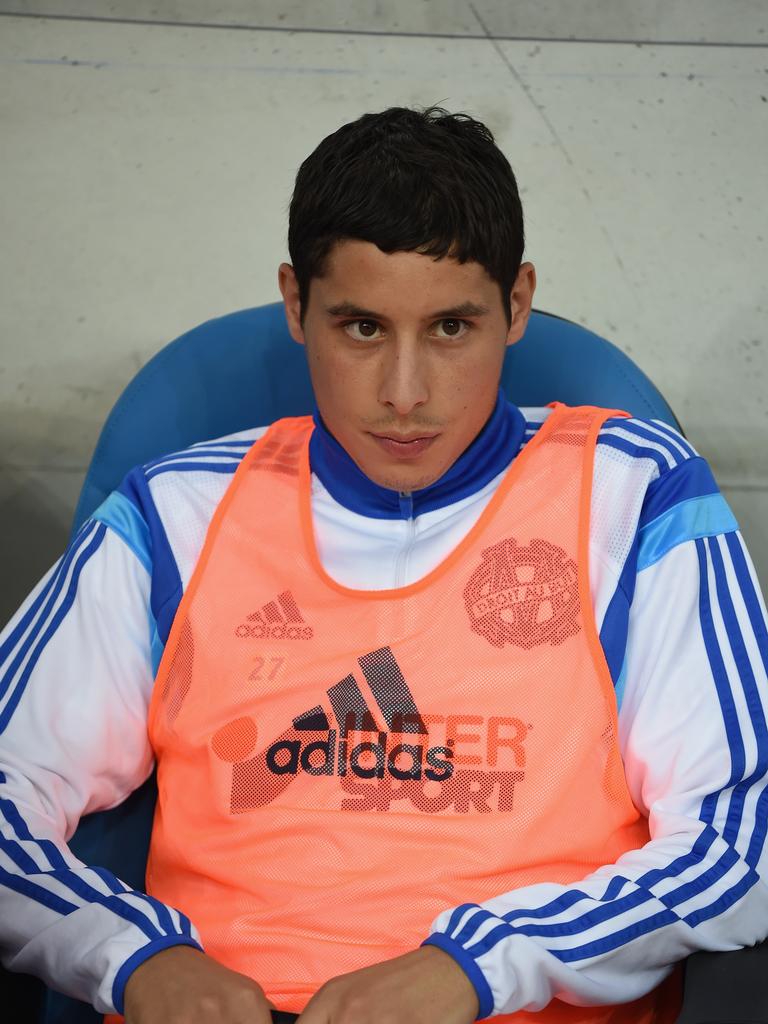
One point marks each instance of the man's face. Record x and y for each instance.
(405, 354)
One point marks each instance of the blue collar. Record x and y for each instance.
(490, 453)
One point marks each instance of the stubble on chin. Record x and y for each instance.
(405, 485)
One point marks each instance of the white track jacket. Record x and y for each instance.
(681, 622)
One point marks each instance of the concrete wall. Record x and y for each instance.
(149, 150)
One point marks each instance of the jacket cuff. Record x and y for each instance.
(138, 958)
(470, 968)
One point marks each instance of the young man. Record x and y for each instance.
(458, 709)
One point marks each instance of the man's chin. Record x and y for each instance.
(416, 480)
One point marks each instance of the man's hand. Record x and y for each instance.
(181, 985)
(423, 987)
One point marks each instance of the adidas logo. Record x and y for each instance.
(291, 753)
(276, 620)
(380, 750)
(315, 746)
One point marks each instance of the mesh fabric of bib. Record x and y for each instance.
(336, 767)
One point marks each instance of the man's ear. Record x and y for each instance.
(289, 289)
(521, 299)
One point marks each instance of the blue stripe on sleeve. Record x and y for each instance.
(457, 915)
(163, 913)
(749, 593)
(192, 454)
(692, 479)
(690, 520)
(614, 888)
(556, 906)
(760, 630)
(36, 893)
(560, 929)
(12, 815)
(610, 906)
(63, 874)
(751, 693)
(156, 645)
(94, 537)
(670, 516)
(724, 902)
(54, 581)
(621, 686)
(244, 445)
(676, 436)
(619, 938)
(696, 886)
(604, 944)
(111, 881)
(613, 632)
(721, 601)
(124, 519)
(166, 587)
(16, 852)
(615, 624)
(199, 467)
(725, 697)
(646, 433)
(471, 925)
(701, 847)
(757, 842)
(606, 911)
(637, 451)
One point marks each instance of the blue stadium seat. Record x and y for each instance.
(243, 370)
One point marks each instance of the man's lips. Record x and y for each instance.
(404, 446)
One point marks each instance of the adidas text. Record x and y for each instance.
(277, 631)
(367, 760)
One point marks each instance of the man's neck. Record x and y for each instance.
(488, 455)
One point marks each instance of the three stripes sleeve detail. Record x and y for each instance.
(79, 927)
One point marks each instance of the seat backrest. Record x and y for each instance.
(244, 370)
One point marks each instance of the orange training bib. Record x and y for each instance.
(336, 767)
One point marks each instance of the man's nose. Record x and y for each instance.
(405, 377)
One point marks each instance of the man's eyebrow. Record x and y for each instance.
(454, 312)
(350, 309)
(464, 309)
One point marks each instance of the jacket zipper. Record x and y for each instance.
(401, 564)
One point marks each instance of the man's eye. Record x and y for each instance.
(451, 328)
(362, 330)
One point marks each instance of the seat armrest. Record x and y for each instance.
(726, 988)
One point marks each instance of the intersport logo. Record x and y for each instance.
(380, 757)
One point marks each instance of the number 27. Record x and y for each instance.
(275, 665)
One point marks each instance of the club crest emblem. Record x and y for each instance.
(524, 595)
